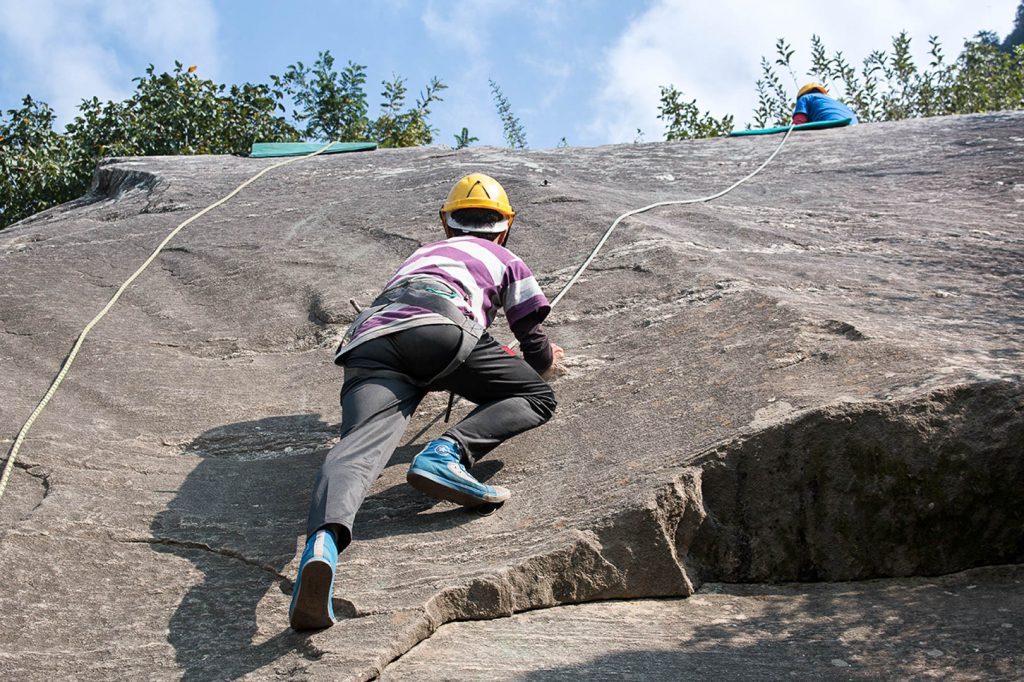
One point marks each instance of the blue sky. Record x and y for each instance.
(586, 70)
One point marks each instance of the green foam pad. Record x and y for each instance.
(262, 150)
(803, 126)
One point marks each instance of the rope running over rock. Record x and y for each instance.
(9, 466)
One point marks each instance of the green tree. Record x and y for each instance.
(772, 105)
(332, 105)
(987, 79)
(180, 113)
(36, 163)
(253, 113)
(169, 113)
(1016, 36)
(397, 128)
(515, 134)
(463, 139)
(685, 120)
(890, 86)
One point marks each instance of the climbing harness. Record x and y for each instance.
(11, 458)
(423, 292)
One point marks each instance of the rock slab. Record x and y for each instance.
(815, 378)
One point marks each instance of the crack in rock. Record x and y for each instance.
(43, 476)
(28, 498)
(201, 546)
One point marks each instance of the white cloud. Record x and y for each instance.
(67, 51)
(467, 97)
(184, 30)
(463, 27)
(552, 74)
(493, 39)
(712, 51)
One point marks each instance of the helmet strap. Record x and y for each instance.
(444, 224)
(498, 238)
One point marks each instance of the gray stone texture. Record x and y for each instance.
(818, 377)
(961, 627)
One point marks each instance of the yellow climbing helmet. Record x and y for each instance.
(477, 190)
(809, 87)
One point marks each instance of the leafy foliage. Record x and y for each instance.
(36, 163)
(464, 139)
(1016, 36)
(685, 121)
(515, 134)
(169, 113)
(395, 128)
(181, 113)
(889, 85)
(332, 105)
(772, 101)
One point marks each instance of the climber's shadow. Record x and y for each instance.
(236, 518)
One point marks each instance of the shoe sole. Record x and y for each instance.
(312, 605)
(487, 509)
(429, 485)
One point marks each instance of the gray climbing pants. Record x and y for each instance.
(383, 387)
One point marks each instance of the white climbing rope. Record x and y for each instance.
(675, 202)
(11, 458)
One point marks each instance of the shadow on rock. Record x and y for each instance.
(237, 518)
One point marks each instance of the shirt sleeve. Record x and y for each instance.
(534, 342)
(521, 296)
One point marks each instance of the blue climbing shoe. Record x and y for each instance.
(437, 471)
(311, 607)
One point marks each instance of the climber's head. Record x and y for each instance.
(811, 87)
(477, 205)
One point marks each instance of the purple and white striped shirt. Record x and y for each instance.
(484, 275)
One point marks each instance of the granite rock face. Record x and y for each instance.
(960, 627)
(817, 377)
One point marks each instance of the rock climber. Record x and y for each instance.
(814, 104)
(427, 331)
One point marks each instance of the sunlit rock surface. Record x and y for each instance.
(816, 378)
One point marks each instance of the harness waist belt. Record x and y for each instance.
(429, 294)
